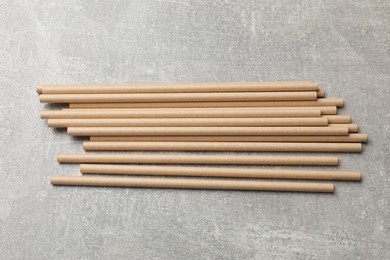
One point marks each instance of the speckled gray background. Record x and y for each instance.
(342, 44)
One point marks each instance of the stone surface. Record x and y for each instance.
(342, 44)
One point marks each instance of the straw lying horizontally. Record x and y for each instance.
(192, 184)
(351, 138)
(326, 110)
(170, 122)
(320, 102)
(193, 113)
(223, 146)
(174, 158)
(178, 97)
(177, 87)
(219, 131)
(218, 172)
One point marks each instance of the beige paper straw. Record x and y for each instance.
(175, 131)
(174, 158)
(166, 122)
(329, 110)
(191, 184)
(351, 138)
(206, 113)
(177, 97)
(338, 119)
(321, 102)
(177, 87)
(222, 146)
(226, 172)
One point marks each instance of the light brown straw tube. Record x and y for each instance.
(320, 93)
(175, 131)
(177, 87)
(338, 119)
(191, 184)
(321, 102)
(174, 158)
(177, 97)
(226, 172)
(222, 146)
(353, 128)
(330, 110)
(351, 138)
(166, 122)
(209, 113)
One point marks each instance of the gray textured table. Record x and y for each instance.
(342, 44)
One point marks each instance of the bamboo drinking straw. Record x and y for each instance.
(338, 119)
(177, 87)
(329, 110)
(209, 113)
(192, 184)
(353, 128)
(173, 158)
(175, 131)
(166, 122)
(177, 97)
(321, 102)
(351, 138)
(218, 172)
(222, 146)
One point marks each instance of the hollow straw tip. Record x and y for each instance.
(39, 89)
(44, 114)
(82, 168)
(344, 131)
(327, 120)
(331, 188)
(320, 93)
(54, 180)
(336, 161)
(50, 124)
(356, 176)
(60, 158)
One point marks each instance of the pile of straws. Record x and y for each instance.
(226, 116)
